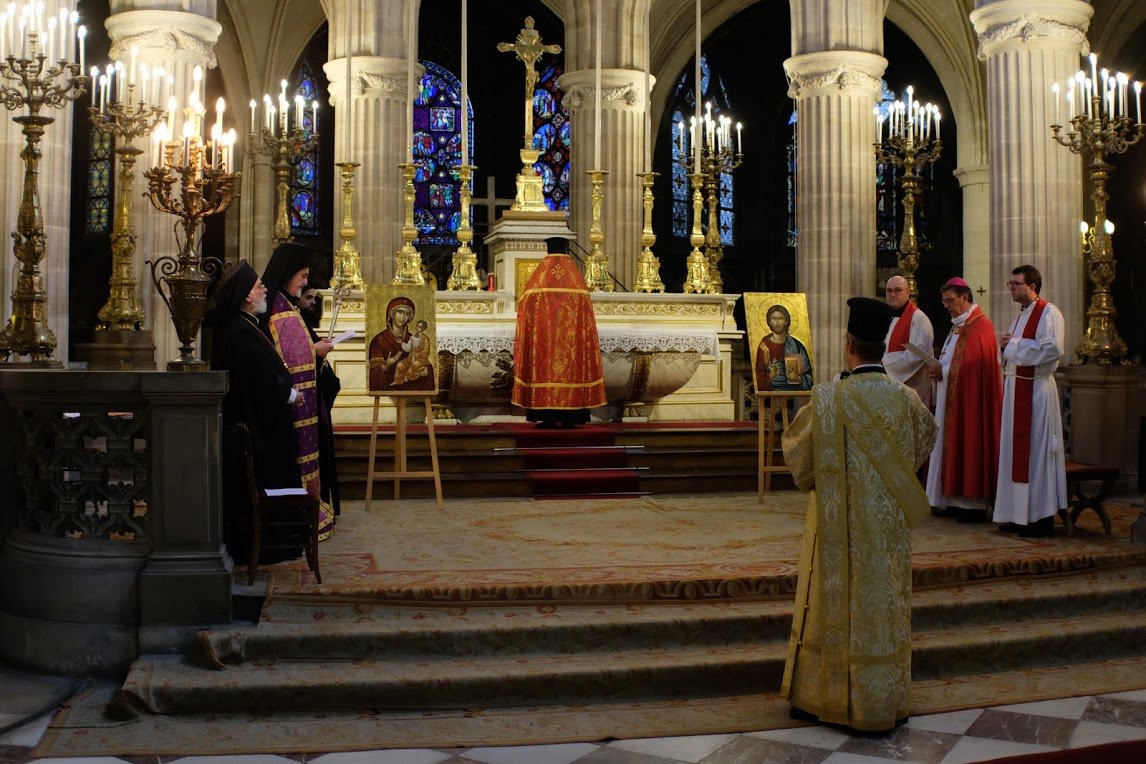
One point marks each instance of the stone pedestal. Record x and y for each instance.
(1106, 406)
(516, 240)
(119, 350)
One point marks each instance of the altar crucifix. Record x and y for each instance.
(528, 48)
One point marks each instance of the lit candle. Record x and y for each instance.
(349, 132)
(94, 76)
(299, 107)
(696, 95)
(282, 92)
(597, 92)
(1070, 101)
(62, 31)
(648, 114)
(465, 104)
(102, 91)
(50, 40)
(131, 73)
(3, 33)
(938, 118)
(411, 54)
(878, 125)
(314, 117)
(1123, 80)
(1055, 88)
(1093, 67)
(172, 106)
(254, 107)
(1138, 102)
(739, 145)
(145, 81)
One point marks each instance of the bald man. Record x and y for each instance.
(910, 324)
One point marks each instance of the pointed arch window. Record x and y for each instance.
(305, 183)
(712, 90)
(437, 152)
(551, 136)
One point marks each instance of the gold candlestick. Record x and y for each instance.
(28, 83)
(648, 266)
(285, 150)
(205, 188)
(597, 276)
(464, 273)
(409, 265)
(912, 153)
(699, 278)
(125, 121)
(347, 260)
(1095, 138)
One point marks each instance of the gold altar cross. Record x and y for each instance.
(529, 50)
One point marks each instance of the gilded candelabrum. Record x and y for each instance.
(912, 153)
(409, 265)
(463, 276)
(286, 150)
(648, 266)
(1095, 134)
(347, 260)
(715, 164)
(699, 277)
(191, 190)
(125, 121)
(28, 83)
(597, 276)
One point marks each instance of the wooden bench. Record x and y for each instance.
(1076, 475)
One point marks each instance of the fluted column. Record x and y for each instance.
(975, 182)
(835, 200)
(1036, 185)
(622, 156)
(55, 207)
(178, 41)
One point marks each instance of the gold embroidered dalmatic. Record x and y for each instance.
(857, 447)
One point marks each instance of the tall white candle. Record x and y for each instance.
(348, 151)
(597, 91)
(254, 107)
(696, 94)
(1138, 102)
(739, 145)
(648, 113)
(465, 104)
(411, 54)
(1093, 68)
(1055, 89)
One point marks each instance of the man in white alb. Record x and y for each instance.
(910, 324)
(1032, 467)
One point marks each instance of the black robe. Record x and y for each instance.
(258, 395)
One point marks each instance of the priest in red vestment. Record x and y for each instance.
(968, 404)
(285, 275)
(558, 373)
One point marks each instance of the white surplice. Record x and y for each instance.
(1045, 494)
(905, 366)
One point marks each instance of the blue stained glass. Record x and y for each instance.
(302, 210)
(679, 218)
(726, 190)
(304, 187)
(304, 175)
(99, 182)
(726, 227)
(306, 88)
(442, 118)
(551, 136)
(438, 145)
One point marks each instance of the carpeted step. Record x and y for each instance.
(620, 480)
(590, 457)
(171, 686)
(393, 632)
(583, 436)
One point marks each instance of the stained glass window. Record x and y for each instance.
(886, 190)
(551, 128)
(437, 152)
(712, 91)
(304, 187)
(99, 182)
(792, 236)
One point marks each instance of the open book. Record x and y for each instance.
(286, 491)
(927, 358)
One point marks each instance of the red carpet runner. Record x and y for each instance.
(578, 463)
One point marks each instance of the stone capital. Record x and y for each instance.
(834, 71)
(618, 87)
(1008, 23)
(973, 175)
(376, 74)
(176, 33)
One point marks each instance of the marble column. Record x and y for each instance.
(378, 51)
(178, 41)
(835, 92)
(624, 56)
(1035, 184)
(622, 156)
(975, 182)
(55, 173)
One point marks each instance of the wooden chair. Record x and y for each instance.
(276, 512)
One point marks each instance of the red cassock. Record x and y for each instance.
(556, 351)
(973, 412)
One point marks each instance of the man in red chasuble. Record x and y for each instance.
(968, 402)
(286, 275)
(558, 374)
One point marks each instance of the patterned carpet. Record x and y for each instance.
(641, 549)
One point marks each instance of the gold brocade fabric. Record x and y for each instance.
(857, 446)
(556, 351)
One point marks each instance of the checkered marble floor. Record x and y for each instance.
(953, 738)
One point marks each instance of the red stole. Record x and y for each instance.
(1024, 402)
(902, 331)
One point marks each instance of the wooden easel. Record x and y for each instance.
(401, 469)
(767, 404)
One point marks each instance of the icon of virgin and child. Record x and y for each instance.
(400, 353)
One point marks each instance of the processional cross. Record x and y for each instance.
(529, 49)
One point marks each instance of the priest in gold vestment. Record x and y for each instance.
(857, 447)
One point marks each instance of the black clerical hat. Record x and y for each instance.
(557, 245)
(288, 259)
(869, 319)
(234, 288)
